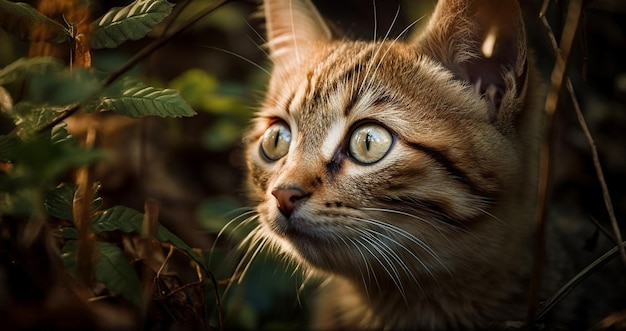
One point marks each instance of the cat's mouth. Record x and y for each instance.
(303, 226)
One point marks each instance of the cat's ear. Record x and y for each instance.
(482, 42)
(293, 27)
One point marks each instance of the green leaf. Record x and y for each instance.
(24, 67)
(59, 202)
(128, 23)
(112, 268)
(8, 144)
(29, 117)
(59, 135)
(28, 24)
(129, 220)
(131, 97)
(38, 162)
(65, 87)
(118, 218)
(115, 271)
(67, 233)
(203, 91)
(195, 85)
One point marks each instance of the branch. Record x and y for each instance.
(145, 52)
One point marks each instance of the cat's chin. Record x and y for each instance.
(298, 230)
(306, 239)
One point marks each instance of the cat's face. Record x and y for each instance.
(376, 162)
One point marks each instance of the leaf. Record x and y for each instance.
(24, 67)
(129, 220)
(195, 85)
(59, 134)
(112, 268)
(28, 24)
(203, 91)
(8, 144)
(67, 233)
(65, 87)
(28, 117)
(128, 23)
(115, 271)
(6, 101)
(38, 162)
(131, 97)
(59, 202)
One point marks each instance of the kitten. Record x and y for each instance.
(402, 172)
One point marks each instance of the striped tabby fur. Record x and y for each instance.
(402, 172)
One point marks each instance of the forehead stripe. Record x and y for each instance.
(446, 162)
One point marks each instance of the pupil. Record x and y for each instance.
(368, 140)
(277, 138)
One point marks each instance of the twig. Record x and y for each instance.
(603, 230)
(145, 52)
(218, 301)
(181, 288)
(596, 163)
(557, 78)
(590, 140)
(579, 277)
(155, 45)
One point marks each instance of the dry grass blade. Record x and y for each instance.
(559, 54)
(567, 288)
(557, 79)
(556, 82)
(596, 163)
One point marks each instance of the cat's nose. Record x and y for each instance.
(288, 198)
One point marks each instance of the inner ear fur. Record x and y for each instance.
(483, 42)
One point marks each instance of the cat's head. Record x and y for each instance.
(390, 157)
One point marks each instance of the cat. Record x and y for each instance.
(402, 173)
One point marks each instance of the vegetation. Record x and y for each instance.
(56, 233)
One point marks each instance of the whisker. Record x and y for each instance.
(256, 242)
(365, 78)
(491, 215)
(259, 247)
(365, 283)
(393, 253)
(408, 236)
(390, 46)
(221, 232)
(240, 57)
(403, 264)
(393, 273)
(375, 19)
(256, 33)
(293, 32)
(248, 220)
(421, 219)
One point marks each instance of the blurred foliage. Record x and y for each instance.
(48, 191)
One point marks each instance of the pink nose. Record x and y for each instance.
(288, 198)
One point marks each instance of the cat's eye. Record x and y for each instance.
(369, 143)
(275, 141)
